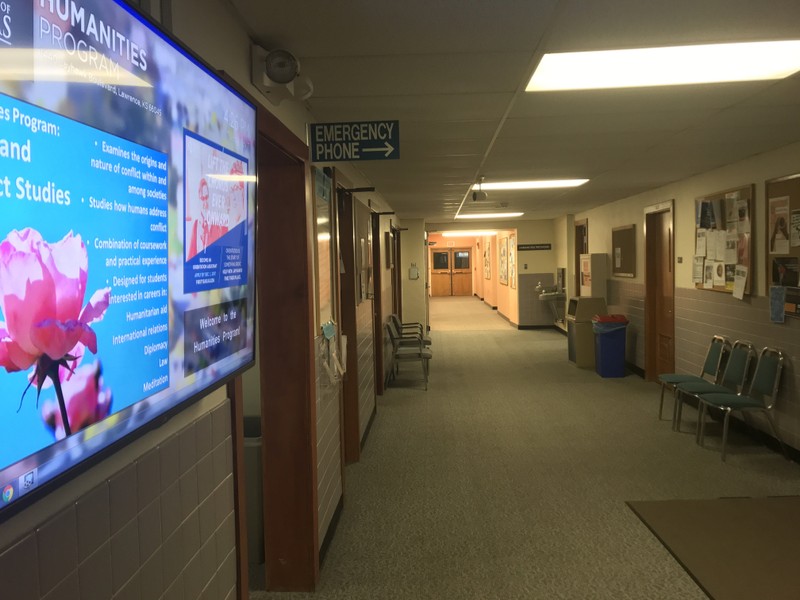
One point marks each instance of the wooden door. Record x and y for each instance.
(660, 295)
(461, 272)
(441, 284)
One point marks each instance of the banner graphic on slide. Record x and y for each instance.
(215, 210)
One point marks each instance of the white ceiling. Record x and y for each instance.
(453, 73)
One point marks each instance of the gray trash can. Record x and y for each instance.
(254, 487)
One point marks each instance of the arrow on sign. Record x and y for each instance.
(387, 149)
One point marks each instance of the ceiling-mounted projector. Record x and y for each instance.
(276, 73)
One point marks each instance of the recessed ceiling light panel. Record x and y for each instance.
(509, 215)
(530, 185)
(675, 65)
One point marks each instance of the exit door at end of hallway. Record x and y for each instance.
(451, 272)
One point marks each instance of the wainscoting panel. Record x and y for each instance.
(627, 298)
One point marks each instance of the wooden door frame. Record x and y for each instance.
(377, 301)
(397, 279)
(580, 248)
(348, 301)
(286, 308)
(651, 280)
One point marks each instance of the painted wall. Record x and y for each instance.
(412, 250)
(537, 232)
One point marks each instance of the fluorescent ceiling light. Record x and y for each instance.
(237, 178)
(44, 64)
(676, 65)
(529, 185)
(467, 233)
(508, 215)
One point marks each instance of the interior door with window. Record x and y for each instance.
(461, 274)
(441, 284)
(451, 272)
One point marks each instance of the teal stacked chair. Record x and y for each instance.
(761, 397)
(712, 367)
(734, 379)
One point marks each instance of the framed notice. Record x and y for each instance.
(512, 260)
(623, 244)
(723, 240)
(503, 276)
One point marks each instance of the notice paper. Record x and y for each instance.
(708, 275)
(739, 281)
(719, 273)
(697, 269)
(721, 241)
(777, 301)
(731, 241)
(795, 228)
(700, 246)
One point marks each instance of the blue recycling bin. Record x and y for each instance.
(609, 344)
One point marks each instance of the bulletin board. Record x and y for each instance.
(782, 244)
(623, 243)
(724, 241)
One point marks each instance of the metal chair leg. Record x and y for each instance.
(661, 403)
(725, 432)
(701, 421)
(775, 433)
(677, 411)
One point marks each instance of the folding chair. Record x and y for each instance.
(408, 350)
(404, 329)
(761, 397)
(717, 350)
(733, 379)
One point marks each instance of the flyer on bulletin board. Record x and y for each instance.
(779, 225)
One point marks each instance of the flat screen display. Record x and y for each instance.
(127, 234)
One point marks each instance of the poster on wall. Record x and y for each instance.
(487, 260)
(512, 260)
(779, 225)
(503, 276)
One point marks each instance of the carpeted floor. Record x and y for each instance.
(508, 479)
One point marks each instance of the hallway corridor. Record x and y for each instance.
(508, 479)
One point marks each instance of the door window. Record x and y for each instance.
(440, 260)
(461, 260)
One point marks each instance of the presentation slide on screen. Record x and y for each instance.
(87, 211)
(126, 233)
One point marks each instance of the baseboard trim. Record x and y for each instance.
(636, 370)
(369, 426)
(326, 542)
